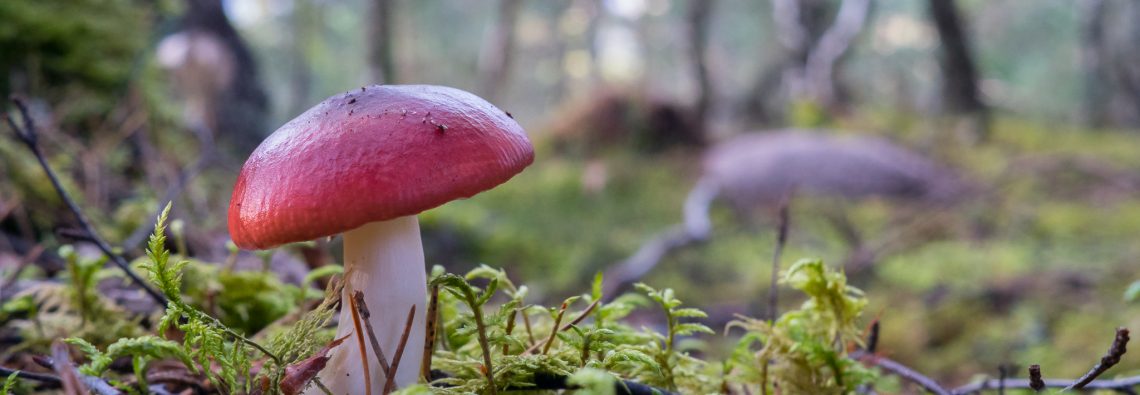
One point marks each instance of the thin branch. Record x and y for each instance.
(429, 340)
(581, 316)
(781, 241)
(1003, 373)
(554, 330)
(1035, 381)
(481, 327)
(819, 72)
(1120, 385)
(29, 137)
(873, 337)
(526, 324)
(73, 382)
(362, 309)
(1112, 357)
(510, 328)
(45, 378)
(360, 343)
(900, 370)
(321, 385)
(391, 384)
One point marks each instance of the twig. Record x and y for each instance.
(481, 328)
(391, 384)
(900, 370)
(873, 337)
(360, 343)
(554, 330)
(526, 324)
(429, 339)
(28, 136)
(321, 386)
(1002, 374)
(1120, 385)
(510, 328)
(68, 375)
(1112, 357)
(362, 309)
(1035, 381)
(581, 316)
(40, 377)
(781, 240)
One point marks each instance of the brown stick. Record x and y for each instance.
(900, 370)
(1112, 357)
(526, 324)
(1035, 381)
(510, 328)
(554, 329)
(429, 340)
(362, 309)
(557, 321)
(61, 361)
(781, 240)
(27, 134)
(360, 343)
(391, 384)
(582, 316)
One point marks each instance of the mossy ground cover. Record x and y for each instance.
(1034, 272)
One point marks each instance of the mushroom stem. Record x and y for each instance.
(385, 260)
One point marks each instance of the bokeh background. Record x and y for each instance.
(1027, 112)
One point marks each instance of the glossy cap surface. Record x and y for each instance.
(372, 154)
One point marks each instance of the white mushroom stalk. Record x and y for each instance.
(384, 260)
(364, 163)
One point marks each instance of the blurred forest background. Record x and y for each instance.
(974, 165)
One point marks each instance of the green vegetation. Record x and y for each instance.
(591, 346)
(1008, 281)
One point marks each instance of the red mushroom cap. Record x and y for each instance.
(369, 155)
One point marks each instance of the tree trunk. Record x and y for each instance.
(496, 58)
(960, 94)
(700, 12)
(241, 109)
(819, 70)
(1093, 59)
(1121, 55)
(381, 66)
(813, 50)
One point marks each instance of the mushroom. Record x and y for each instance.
(364, 163)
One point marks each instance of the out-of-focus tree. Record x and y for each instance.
(700, 12)
(381, 64)
(212, 66)
(1109, 56)
(813, 50)
(960, 93)
(1093, 57)
(498, 51)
